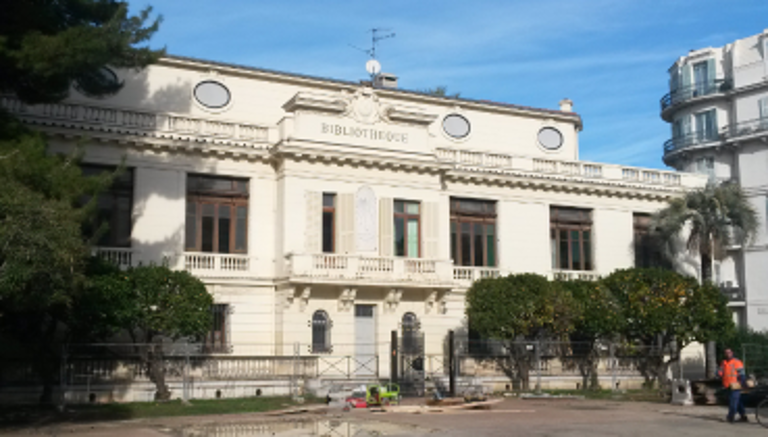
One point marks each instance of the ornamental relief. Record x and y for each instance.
(364, 107)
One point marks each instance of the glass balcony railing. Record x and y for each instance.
(690, 140)
(683, 94)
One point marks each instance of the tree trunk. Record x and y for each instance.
(710, 354)
(156, 370)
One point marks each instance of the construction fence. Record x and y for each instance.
(121, 372)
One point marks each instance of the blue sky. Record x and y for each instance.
(609, 56)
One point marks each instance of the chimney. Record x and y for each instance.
(385, 80)
(566, 105)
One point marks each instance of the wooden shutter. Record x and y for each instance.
(386, 227)
(313, 242)
(345, 223)
(430, 225)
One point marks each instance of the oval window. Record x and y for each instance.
(212, 94)
(550, 138)
(456, 126)
(98, 83)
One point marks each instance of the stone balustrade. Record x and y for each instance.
(137, 122)
(495, 162)
(328, 267)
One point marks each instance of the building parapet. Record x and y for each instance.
(139, 123)
(586, 171)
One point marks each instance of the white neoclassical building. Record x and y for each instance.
(325, 214)
(718, 109)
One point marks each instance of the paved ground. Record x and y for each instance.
(561, 418)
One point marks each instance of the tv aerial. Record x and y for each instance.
(373, 66)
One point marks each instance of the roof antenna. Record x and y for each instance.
(373, 67)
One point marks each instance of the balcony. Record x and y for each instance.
(370, 270)
(121, 257)
(218, 265)
(684, 94)
(733, 293)
(746, 129)
(693, 139)
(466, 275)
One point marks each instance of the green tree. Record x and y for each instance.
(714, 218)
(47, 45)
(43, 256)
(440, 91)
(520, 310)
(663, 312)
(598, 318)
(163, 305)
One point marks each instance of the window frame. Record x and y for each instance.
(405, 215)
(331, 210)
(410, 327)
(484, 218)
(119, 189)
(220, 311)
(582, 224)
(232, 199)
(325, 346)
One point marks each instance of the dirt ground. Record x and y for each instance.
(512, 417)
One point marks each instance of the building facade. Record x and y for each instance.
(718, 110)
(323, 214)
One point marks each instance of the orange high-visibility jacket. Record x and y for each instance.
(730, 371)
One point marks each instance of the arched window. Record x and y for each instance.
(321, 332)
(411, 335)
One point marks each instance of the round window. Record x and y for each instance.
(550, 138)
(456, 126)
(212, 94)
(98, 83)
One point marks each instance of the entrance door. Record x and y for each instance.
(364, 362)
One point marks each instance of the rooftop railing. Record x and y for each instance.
(493, 162)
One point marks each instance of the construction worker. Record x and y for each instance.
(732, 373)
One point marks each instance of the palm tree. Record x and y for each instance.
(716, 217)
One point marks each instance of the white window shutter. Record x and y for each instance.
(711, 71)
(763, 105)
(386, 227)
(429, 229)
(345, 223)
(313, 242)
(686, 74)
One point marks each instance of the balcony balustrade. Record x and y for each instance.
(121, 257)
(747, 128)
(692, 139)
(329, 267)
(684, 94)
(218, 265)
(733, 293)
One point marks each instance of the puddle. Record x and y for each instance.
(297, 428)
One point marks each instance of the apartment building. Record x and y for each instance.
(717, 107)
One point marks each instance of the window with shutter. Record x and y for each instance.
(217, 214)
(473, 232)
(571, 238)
